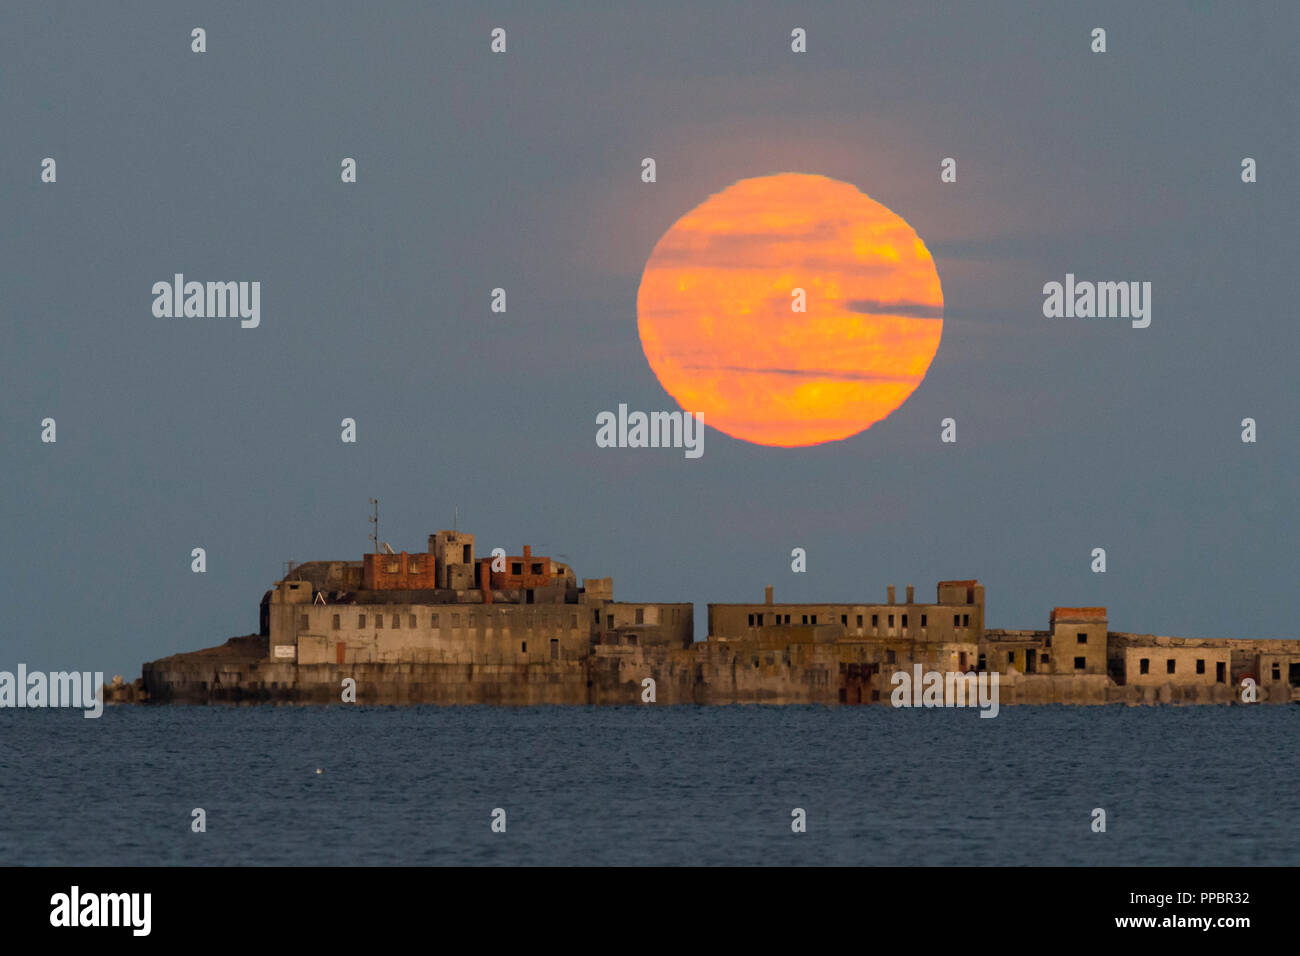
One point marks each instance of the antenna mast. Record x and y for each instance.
(374, 520)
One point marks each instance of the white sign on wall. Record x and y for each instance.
(285, 650)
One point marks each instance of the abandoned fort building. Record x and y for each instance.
(451, 627)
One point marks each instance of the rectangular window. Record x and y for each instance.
(965, 620)
(523, 647)
(760, 618)
(1277, 671)
(338, 621)
(923, 617)
(1011, 657)
(982, 664)
(859, 620)
(956, 620)
(1080, 663)
(455, 620)
(889, 657)
(609, 622)
(1219, 674)
(516, 568)
(537, 569)
(875, 620)
(805, 618)
(844, 619)
(904, 620)
(1169, 666)
(1144, 666)
(361, 620)
(1082, 639)
(410, 620)
(1044, 659)
(397, 621)
(379, 620)
(891, 620)
(751, 620)
(814, 618)
(640, 615)
(1200, 665)
(434, 621)
(787, 619)
(555, 649)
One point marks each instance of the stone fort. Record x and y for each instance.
(450, 627)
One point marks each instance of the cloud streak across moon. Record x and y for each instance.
(715, 319)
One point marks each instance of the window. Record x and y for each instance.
(455, 620)
(844, 619)
(875, 620)
(555, 649)
(956, 620)
(609, 621)
(805, 618)
(1011, 657)
(410, 620)
(787, 619)
(413, 567)
(904, 620)
(1169, 666)
(1200, 665)
(523, 647)
(814, 618)
(1080, 663)
(302, 620)
(1144, 666)
(1277, 671)
(891, 620)
(379, 620)
(397, 621)
(516, 568)
(361, 620)
(1044, 659)
(965, 620)
(923, 617)
(889, 657)
(466, 557)
(338, 621)
(1082, 639)
(640, 615)
(859, 620)
(434, 622)
(1219, 675)
(392, 567)
(760, 618)
(537, 569)
(982, 664)
(751, 620)
(1047, 641)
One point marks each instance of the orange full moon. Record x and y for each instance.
(718, 316)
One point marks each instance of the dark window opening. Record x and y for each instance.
(1080, 663)
(1144, 666)
(1169, 666)
(1200, 665)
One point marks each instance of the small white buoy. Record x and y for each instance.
(318, 770)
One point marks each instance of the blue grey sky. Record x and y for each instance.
(523, 171)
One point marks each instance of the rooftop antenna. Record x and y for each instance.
(374, 520)
(388, 548)
(455, 518)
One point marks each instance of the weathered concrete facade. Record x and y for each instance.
(521, 630)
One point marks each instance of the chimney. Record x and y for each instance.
(909, 594)
(891, 594)
(485, 579)
(528, 551)
(767, 594)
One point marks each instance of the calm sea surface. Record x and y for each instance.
(659, 785)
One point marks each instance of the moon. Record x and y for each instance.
(718, 320)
